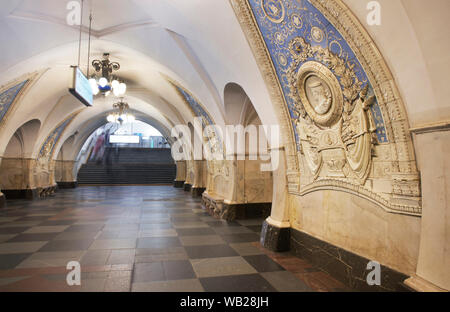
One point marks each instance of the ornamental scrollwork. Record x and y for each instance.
(336, 129)
(343, 123)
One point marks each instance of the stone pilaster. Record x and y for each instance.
(181, 174)
(27, 178)
(187, 187)
(65, 174)
(433, 271)
(275, 234)
(197, 191)
(199, 181)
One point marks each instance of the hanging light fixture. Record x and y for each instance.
(121, 115)
(103, 81)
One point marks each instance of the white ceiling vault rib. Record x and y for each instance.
(96, 33)
(199, 68)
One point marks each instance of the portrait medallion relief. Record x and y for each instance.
(318, 94)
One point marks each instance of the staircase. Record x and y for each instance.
(130, 166)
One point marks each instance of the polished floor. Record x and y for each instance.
(141, 238)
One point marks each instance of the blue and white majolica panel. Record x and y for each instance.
(280, 21)
(215, 141)
(196, 107)
(7, 98)
(50, 143)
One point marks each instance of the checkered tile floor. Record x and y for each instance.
(141, 238)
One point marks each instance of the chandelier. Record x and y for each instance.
(121, 115)
(103, 81)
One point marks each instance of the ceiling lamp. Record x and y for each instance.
(121, 115)
(103, 81)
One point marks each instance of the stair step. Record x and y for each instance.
(130, 166)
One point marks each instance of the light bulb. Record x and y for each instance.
(116, 92)
(107, 93)
(103, 82)
(115, 84)
(122, 88)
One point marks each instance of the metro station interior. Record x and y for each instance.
(225, 145)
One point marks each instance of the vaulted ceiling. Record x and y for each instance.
(197, 43)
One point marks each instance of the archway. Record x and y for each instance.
(17, 168)
(240, 188)
(133, 152)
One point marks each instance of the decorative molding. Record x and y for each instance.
(47, 148)
(12, 93)
(432, 127)
(192, 103)
(215, 142)
(332, 36)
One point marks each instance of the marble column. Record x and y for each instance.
(198, 185)
(19, 179)
(65, 174)
(433, 150)
(181, 174)
(275, 234)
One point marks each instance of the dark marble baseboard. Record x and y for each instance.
(197, 191)
(178, 184)
(347, 267)
(187, 187)
(29, 194)
(249, 210)
(2, 201)
(67, 185)
(275, 238)
(231, 212)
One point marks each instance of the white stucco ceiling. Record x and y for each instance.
(198, 43)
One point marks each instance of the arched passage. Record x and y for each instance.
(112, 153)
(17, 168)
(238, 187)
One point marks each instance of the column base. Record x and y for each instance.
(197, 191)
(416, 283)
(178, 184)
(346, 267)
(2, 201)
(187, 187)
(47, 191)
(219, 209)
(275, 238)
(67, 185)
(29, 194)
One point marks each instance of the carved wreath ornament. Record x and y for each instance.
(335, 127)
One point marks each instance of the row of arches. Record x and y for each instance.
(21, 157)
(359, 215)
